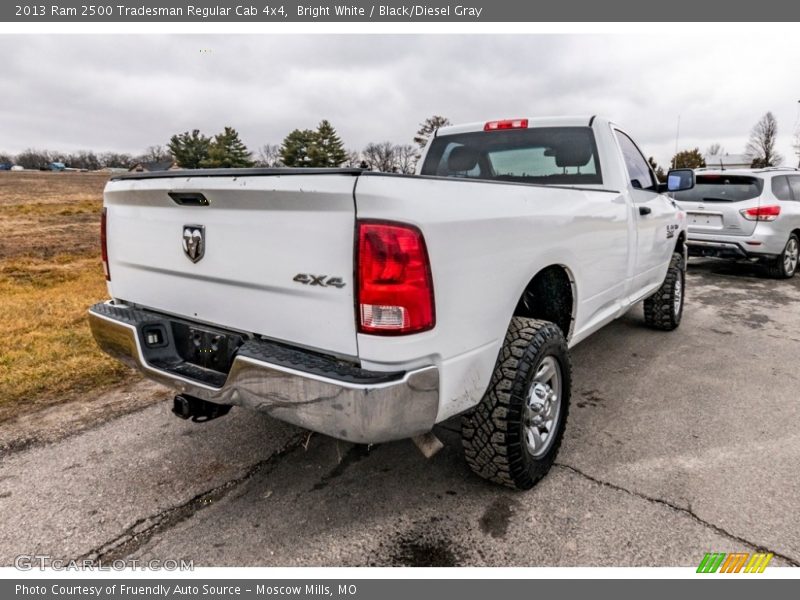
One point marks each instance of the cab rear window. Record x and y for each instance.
(542, 155)
(722, 188)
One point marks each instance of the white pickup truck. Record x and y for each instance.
(371, 306)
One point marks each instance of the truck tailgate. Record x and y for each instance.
(270, 244)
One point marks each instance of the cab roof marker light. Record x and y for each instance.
(506, 124)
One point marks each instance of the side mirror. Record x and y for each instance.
(679, 180)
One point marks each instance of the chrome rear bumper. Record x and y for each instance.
(318, 394)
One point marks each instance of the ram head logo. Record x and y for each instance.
(194, 242)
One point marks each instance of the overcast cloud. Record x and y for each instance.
(124, 93)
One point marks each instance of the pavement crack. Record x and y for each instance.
(686, 511)
(144, 529)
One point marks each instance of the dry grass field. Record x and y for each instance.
(50, 272)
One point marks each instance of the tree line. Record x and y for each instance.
(760, 150)
(320, 147)
(323, 147)
(83, 159)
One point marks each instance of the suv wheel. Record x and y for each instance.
(785, 265)
(513, 435)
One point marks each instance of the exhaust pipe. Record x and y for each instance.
(196, 409)
(428, 444)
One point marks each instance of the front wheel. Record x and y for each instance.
(785, 265)
(513, 436)
(664, 309)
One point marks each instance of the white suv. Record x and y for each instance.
(746, 214)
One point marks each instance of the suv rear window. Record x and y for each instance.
(780, 188)
(722, 188)
(543, 155)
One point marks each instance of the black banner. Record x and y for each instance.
(476, 11)
(385, 589)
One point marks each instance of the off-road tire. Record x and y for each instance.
(660, 311)
(493, 432)
(776, 268)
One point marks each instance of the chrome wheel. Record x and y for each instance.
(542, 407)
(790, 256)
(676, 303)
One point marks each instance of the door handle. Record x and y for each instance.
(645, 210)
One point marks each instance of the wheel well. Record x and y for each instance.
(796, 232)
(549, 296)
(681, 242)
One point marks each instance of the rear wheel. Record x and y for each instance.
(785, 266)
(513, 436)
(664, 309)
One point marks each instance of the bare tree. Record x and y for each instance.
(406, 157)
(6, 158)
(269, 155)
(34, 159)
(83, 159)
(381, 156)
(353, 159)
(115, 160)
(761, 147)
(715, 149)
(156, 154)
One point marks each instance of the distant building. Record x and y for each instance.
(160, 165)
(728, 161)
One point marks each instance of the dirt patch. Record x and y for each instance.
(497, 517)
(418, 549)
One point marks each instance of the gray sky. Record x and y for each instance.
(127, 92)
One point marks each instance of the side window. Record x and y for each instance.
(638, 168)
(794, 184)
(780, 188)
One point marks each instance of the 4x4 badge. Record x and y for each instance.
(194, 242)
(321, 280)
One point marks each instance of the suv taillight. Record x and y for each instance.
(104, 243)
(761, 213)
(394, 284)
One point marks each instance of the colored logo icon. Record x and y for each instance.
(737, 562)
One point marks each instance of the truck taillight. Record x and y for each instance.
(506, 124)
(761, 213)
(395, 287)
(104, 243)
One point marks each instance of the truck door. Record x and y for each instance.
(652, 213)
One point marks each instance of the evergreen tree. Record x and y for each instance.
(190, 150)
(427, 127)
(309, 148)
(297, 148)
(660, 175)
(327, 149)
(688, 159)
(228, 151)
